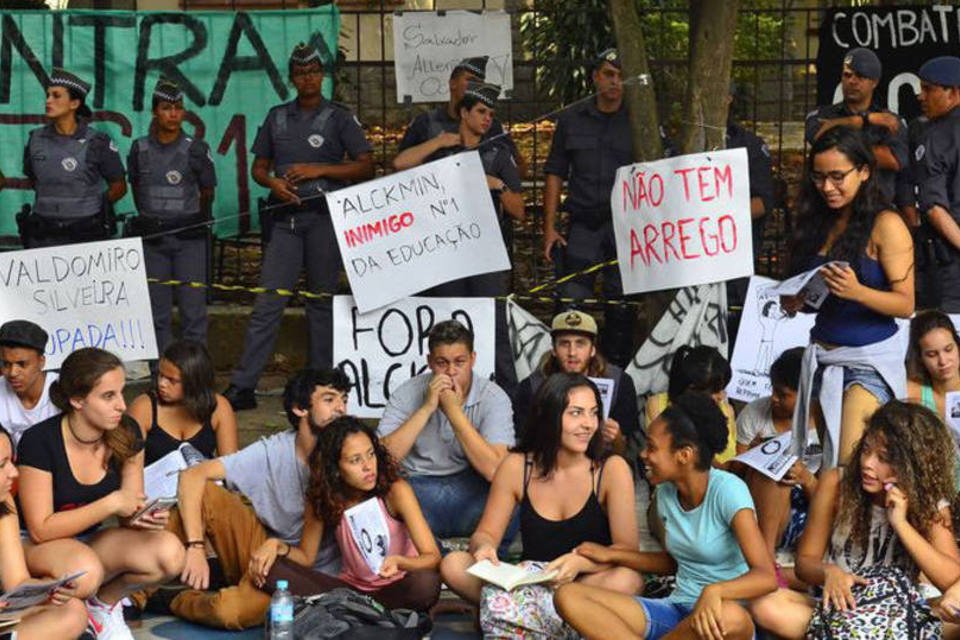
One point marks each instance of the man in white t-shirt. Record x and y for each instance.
(25, 387)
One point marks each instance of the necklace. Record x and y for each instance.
(78, 438)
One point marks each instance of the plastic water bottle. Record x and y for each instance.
(280, 623)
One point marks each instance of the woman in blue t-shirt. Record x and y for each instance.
(713, 542)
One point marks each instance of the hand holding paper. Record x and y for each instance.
(508, 576)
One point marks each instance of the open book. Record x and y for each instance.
(508, 576)
(160, 479)
(809, 283)
(30, 595)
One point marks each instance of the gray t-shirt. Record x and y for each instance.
(437, 452)
(275, 482)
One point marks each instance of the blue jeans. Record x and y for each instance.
(662, 616)
(453, 505)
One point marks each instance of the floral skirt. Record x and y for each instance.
(525, 612)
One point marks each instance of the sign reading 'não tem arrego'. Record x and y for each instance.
(84, 295)
(408, 231)
(683, 221)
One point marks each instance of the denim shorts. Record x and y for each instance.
(869, 379)
(662, 616)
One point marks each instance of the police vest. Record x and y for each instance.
(67, 186)
(438, 122)
(292, 145)
(165, 185)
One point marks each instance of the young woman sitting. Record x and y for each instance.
(887, 510)
(712, 542)
(350, 466)
(933, 360)
(80, 468)
(568, 494)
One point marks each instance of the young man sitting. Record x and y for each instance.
(25, 387)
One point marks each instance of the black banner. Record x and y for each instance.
(903, 37)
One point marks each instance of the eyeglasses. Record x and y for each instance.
(835, 177)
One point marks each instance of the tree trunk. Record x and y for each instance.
(712, 28)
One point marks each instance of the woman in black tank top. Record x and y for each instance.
(568, 494)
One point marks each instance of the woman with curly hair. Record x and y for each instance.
(348, 466)
(887, 510)
(864, 253)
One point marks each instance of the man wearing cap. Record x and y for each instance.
(173, 177)
(446, 118)
(574, 350)
(476, 111)
(304, 148)
(590, 142)
(883, 130)
(937, 165)
(25, 387)
(66, 162)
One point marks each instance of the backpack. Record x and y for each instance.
(889, 606)
(344, 613)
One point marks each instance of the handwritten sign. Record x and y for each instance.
(529, 339)
(408, 231)
(370, 533)
(382, 349)
(427, 46)
(84, 295)
(683, 221)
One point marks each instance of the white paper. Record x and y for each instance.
(368, 526)
(606, 388)
(683, 221)
(92, 294)
(412, 230)
(810, 283)
(771, 458)
(427, 46)
(507, 576)
(162, 478)
(952, 407)
(30, 595)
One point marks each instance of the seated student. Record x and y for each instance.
(183, 407)
(25, 387)
(449, 429)
(270, 474)
(63, 616)
(781, 506)
(348, 466)
(569, 492)
(704, 369)
(933, 360)
(574, 336)
(887, 509)
(80, 468)
(712, 541)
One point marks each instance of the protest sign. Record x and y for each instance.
(683, 221)
(370, 532)
(84, 295)
(771, 458)
(606, 388)
(427, 46)
(408, 231)
(382, 349)
(765, 332)
(529, 339)
(220, 59)
(903, 37)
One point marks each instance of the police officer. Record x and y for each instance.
(590, 142)
(66, 162)
(172, 177)
(883, 130)
(446, 118)
(304, 148)
(937, 160)
(475, 115)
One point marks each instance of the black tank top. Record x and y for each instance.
(160, 443)
(545, 540)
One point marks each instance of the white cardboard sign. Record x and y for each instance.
(84, 295)
(382, 349)
(408, 231)
(370, 532)
(683, 221)
(427, 46)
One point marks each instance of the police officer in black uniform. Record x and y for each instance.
(304, 148)
(67, 161)
(590, 142)
(446, 118)
(476, 111)
(937, 163)
(172, 177)
(883, 130)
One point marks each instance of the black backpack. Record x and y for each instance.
(344, 613)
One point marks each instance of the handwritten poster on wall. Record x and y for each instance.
(382, 349)
(84, 295)
(683, 221)
(412, 230)
(427, 46)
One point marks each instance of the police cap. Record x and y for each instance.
(484, 92)
(63, 78)
(942, 70)
(167, 90)
(864, 63)
(476, 66)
